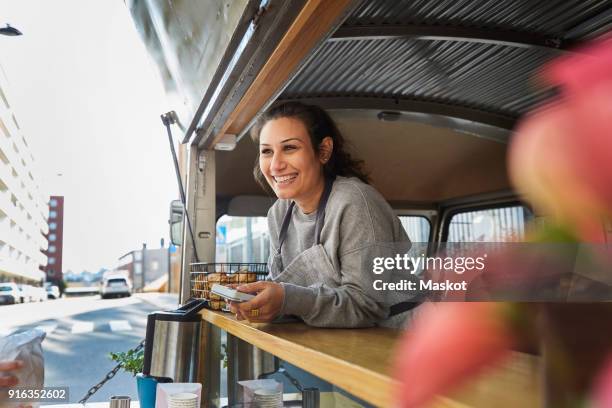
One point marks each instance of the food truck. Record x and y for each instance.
(427, 93)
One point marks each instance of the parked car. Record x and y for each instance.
(37, 293)
(24, 293)
(52, 291)
(29, 293)
(9, 293)
(115, 286)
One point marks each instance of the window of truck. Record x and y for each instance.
(501, 224)
(418, 228)
(246, 239)
(242, 239)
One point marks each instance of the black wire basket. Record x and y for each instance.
(203, 275)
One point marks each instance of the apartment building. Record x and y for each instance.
(23, 207)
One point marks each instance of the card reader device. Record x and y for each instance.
(231, 294)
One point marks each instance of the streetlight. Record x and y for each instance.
(10, 31)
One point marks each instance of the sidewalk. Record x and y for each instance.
(163, 301)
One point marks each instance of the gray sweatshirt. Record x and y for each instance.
(331, 284)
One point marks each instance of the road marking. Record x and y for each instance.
(47, 328)
(82, 327)
(120, 325)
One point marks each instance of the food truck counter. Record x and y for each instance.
(359, 361)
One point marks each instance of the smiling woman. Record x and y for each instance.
(326, 225)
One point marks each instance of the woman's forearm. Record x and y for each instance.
(340, 307)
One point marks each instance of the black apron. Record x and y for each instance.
(315, 258)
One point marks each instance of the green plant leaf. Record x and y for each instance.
(131, 361)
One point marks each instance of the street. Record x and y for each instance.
(80, 334)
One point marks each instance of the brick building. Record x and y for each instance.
(55, 237)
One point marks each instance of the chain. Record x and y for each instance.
(107, 377)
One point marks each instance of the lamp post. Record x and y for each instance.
(10, 31)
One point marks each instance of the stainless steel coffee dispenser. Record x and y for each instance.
(173, 342)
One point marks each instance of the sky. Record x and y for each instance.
(88, 100)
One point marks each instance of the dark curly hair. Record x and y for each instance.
(319, 125)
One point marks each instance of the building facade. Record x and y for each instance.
(145, 266)
(55, 237)
(23, 209)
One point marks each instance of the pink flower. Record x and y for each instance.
(584, 69)
(544, 167)
(561, 155)
(602, 392)
(447, 343)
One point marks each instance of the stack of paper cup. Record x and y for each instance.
(267, 398)
(183, 400)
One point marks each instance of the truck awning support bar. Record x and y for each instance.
(168, 119)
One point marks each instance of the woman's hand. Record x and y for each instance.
(262, 308)
(7, 379)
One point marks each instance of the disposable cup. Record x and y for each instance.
(183, 400)
(267, 398)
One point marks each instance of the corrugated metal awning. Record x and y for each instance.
(474, 60)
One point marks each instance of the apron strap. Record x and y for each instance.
(284, 227)
(402, 307)
(329, 182)
(320, 220)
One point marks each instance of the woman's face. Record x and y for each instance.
(288, 161)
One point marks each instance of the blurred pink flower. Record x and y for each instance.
(447, 343)
(602, 392)
(586, 81)
(561, 155)
(586, 68)
(543, 168)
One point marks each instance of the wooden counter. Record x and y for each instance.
(359, 361)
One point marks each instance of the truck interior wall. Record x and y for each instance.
(408, 162)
